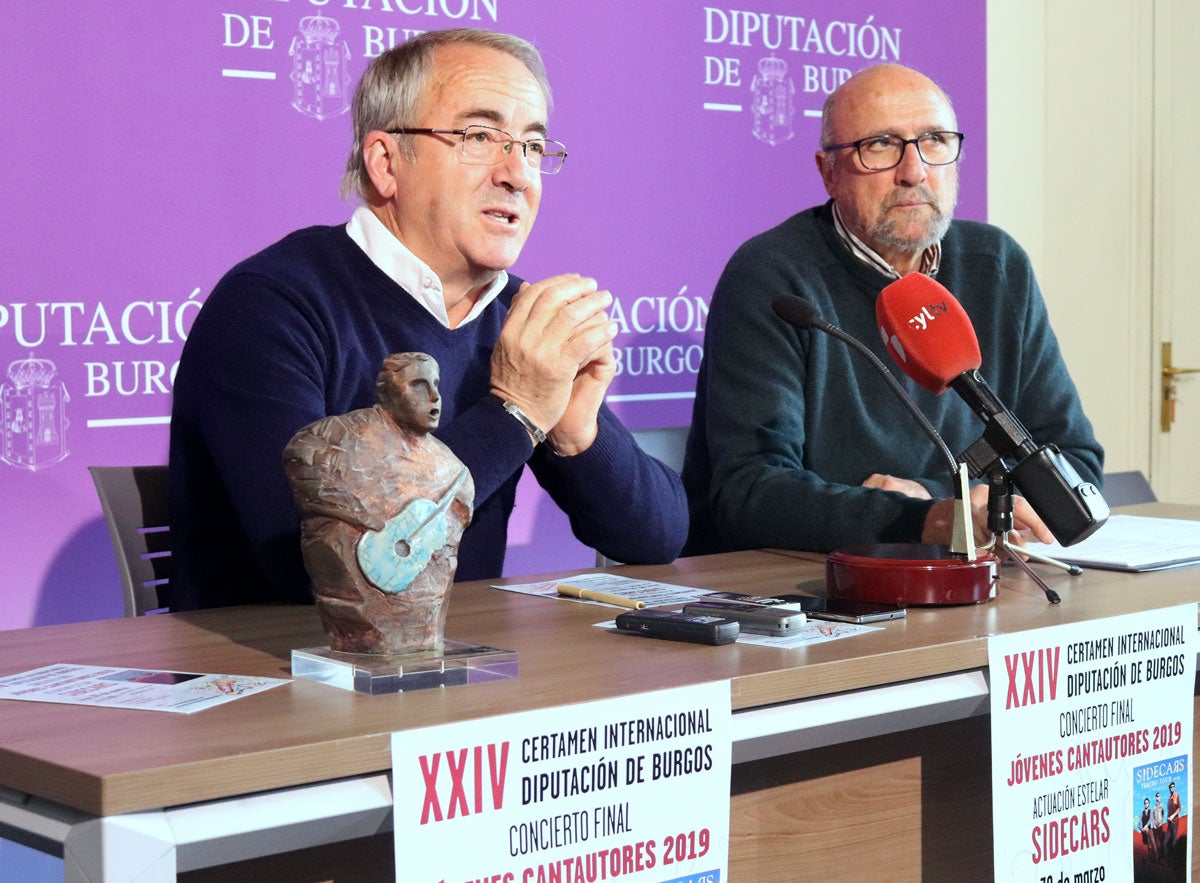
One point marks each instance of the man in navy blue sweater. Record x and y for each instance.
(796, 442)
(450, 146)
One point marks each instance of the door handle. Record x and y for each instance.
(1169, 373)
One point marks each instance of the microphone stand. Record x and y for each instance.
(1001, 432)
(1000, 522)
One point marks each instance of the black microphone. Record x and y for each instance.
(799, 313)
(929, 334)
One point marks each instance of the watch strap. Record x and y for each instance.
(532, 428)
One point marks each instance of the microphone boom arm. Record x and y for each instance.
(962, 540)
(799, 313)
(904, 397)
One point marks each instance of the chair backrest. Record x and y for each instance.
(134, 500)
(666, 444)
(1127, 488)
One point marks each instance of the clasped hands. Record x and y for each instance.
(939, 522)
(554, 358)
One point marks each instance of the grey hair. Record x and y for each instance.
(391, 88)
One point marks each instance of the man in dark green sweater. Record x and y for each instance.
(796, 442)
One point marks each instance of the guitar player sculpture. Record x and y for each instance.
(383, 505)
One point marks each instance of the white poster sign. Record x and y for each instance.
(634, 788)
(1092, 749)
(183, 692)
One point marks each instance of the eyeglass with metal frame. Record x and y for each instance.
(486, 146)
(882, 152)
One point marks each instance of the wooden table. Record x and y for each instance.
(883, 733)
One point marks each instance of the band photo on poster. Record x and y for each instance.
(1160, 820)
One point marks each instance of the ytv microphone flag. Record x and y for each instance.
(927, 331)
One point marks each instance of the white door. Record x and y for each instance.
(1175, 454)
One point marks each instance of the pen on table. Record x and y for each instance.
(588, 595)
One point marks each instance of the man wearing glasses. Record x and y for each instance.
(796, 442)
(450, 150)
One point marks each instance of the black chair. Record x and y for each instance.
(134, 500)
(665, 444)
(1127, 488)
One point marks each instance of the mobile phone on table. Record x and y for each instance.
(845, 609)
(675, 626)
(764, 619)
(757, 600)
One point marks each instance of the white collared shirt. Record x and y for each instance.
(931, 258)
(409, 271)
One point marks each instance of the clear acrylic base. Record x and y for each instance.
(456, 663)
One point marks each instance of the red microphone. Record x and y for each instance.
(927, 332)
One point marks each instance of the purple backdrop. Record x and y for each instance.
(173, 138)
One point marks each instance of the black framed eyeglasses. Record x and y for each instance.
(486, 146)
(882, 152)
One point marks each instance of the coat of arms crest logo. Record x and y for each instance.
(320, 68)
(32, 407)
(773, 109)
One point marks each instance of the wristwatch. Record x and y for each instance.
(532, 428)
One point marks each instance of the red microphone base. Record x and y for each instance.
(910, 574)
